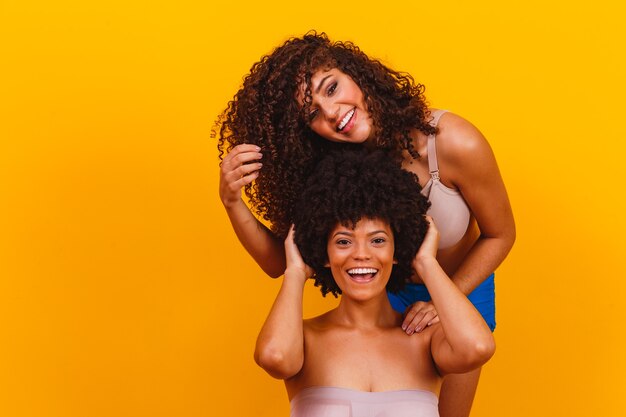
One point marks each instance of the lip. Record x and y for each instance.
(362, 278)
(350, 123)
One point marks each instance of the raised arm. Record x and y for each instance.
(240, 167)
(462, 341)
(280, 344)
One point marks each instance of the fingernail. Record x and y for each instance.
(404, 327)
(418, 329)
(257, 148)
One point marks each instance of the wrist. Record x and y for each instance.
(294, 273)
(423, 264)
(232, 204)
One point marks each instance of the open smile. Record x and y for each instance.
(346, 123)
(362, 275)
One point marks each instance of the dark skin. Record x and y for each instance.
(359, 345)
(466, 164)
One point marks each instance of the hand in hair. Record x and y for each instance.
(422, 314)
(430, 244)
(295, 264)
(239, 168)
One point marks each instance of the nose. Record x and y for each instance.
(361, 252)
(330, 111)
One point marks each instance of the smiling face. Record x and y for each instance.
(338, 111)
(361, 259)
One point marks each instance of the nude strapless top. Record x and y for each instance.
(344, 402)
(447, 206)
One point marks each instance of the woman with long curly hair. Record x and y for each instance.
(360, 225)
(312, 95)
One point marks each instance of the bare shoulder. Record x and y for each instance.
(459, 136)
(460, 144)
(318, 324)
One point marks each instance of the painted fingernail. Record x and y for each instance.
(404, 327)
(418, 329)
(257, 148)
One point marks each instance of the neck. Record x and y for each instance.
(371, 313)
(420, 141)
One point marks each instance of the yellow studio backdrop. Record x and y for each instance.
(123, 290)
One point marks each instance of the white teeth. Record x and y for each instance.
(361, 271)
(345, 120)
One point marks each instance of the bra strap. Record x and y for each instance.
(433, 166)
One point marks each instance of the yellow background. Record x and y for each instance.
(123, 291)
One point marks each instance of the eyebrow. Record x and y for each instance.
(319, 86)
(369, 234)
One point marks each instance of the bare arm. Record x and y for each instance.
(240, 167)
(463, 341)
(472, 167)
(280, 344)
(469, 164)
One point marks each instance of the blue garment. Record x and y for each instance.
(483, 297)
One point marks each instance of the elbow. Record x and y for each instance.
(274, 273)
(486, 350)
(481, 351)
(512, 237)
(276, 362)
(273, 269)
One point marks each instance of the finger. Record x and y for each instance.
(233, 161)
(291, 251)
(426, 318)
(244, 147)
(416, 306)
(291, 234)
(408, 319)
(243, 181)
(242, 171)
(240, 155)
(246, 169)
(410, 313)
(433, 321)
(418, 322)
(245, 157)
(430, 243)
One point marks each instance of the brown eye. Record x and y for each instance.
(378, 240)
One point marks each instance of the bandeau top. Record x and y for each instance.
(447, 206)
(345, 402)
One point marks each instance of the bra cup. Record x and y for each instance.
(450, 213)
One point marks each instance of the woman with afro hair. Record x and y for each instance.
(360, 226)
(310, 96)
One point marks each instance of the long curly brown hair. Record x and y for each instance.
(266, 112)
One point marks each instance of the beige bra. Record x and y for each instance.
(447, 206)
